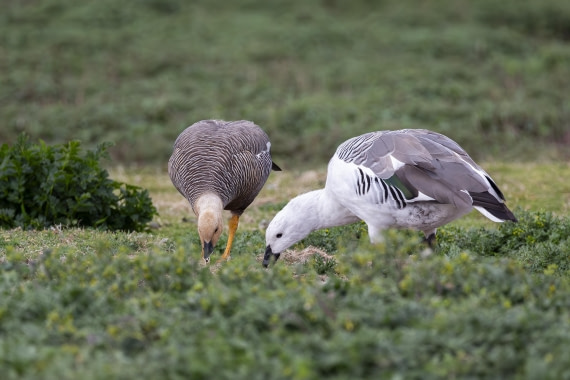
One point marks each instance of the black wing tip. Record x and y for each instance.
(511, 216)
(502, 212)
(496, 208)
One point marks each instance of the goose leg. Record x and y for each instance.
(431, 240)
(233, 225)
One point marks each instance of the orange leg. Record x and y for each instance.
(233, 225)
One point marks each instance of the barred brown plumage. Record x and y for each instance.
(220, 165)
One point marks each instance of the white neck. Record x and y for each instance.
(302, 215)
(324, 211)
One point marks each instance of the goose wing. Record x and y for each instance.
(418, 165)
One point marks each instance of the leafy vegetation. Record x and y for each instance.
(137, 305)
(540, 241)
(493, 301)
(42, 186)
(491, 75)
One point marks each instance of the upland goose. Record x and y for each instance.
(219, 165)
(411, 178)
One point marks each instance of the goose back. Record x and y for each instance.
(229, 159)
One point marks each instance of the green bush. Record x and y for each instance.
(135, 306)
(540, 241)
(43, 185)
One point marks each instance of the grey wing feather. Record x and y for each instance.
(429, 163)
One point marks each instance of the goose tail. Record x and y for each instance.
(491, 207)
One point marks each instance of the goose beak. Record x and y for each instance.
(267, 256)
(207, 248)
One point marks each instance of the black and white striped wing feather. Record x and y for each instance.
(402, 167)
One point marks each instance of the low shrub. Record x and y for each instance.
(540, 241)
(42, 185)
(136, 306)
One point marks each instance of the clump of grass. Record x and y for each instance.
(491, 76)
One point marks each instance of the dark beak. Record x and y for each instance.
(267, 256)
(208, 248)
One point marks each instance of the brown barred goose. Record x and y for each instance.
(411, 178)
(220, 165)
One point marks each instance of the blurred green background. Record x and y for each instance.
(493, 75)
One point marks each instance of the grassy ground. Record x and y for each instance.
(535, 187)
(493, 76)
(491, 302)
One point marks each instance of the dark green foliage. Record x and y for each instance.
(329, 238)
(540, 241)
(323, 265)
(131, 306)
(541, 18)
(42, 186)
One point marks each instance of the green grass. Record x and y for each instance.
(492, 301)
(493, 76)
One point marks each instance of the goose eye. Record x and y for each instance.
(279, 235)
